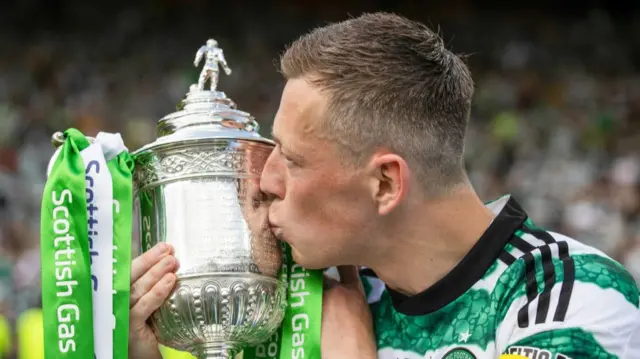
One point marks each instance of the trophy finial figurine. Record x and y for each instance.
(213, 56)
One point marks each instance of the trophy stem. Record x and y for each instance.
(216, 353)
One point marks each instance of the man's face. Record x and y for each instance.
(322, 208)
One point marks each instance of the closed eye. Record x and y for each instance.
(289, 162)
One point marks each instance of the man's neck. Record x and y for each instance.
(428, 243)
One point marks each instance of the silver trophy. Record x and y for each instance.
(197, 188)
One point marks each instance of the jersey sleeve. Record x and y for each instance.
(584, 306)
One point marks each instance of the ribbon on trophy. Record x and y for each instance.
(86, 222)
(299, 335)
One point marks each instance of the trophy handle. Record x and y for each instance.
(57, 139)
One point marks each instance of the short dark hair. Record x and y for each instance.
(391, 83)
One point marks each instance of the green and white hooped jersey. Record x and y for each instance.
(520, 290)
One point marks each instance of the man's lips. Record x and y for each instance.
(277, 231)
(271, 221)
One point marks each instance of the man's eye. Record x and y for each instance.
(289, 162)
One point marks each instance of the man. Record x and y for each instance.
(368, 170)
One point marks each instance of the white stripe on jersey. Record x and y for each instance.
(516, 253)
(576, 247)
(531, 239)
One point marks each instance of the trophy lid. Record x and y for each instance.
(206, 114)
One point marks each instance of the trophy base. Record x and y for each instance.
(217, 315)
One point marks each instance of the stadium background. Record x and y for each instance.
(555, 119)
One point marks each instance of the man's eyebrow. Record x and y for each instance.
(278, 142)
(284, 148)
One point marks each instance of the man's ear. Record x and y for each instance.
(389, 181)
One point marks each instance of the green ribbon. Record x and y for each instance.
(299, 335)
(66, 273)
(68, 246)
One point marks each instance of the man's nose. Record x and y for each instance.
(272, 177)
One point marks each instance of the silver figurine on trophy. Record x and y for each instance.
(213, 56)
(197, 188)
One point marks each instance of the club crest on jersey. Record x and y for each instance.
(459, 353)
(535, 353)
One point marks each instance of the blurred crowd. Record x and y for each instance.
(555, 118)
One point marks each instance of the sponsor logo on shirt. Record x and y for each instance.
(535, 353)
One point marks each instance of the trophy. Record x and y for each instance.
(197, 188)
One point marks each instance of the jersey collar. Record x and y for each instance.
(510, 217)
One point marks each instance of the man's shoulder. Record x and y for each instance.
(544, 266)
(553, 282)
(555, 292)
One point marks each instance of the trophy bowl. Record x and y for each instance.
(197, 188)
